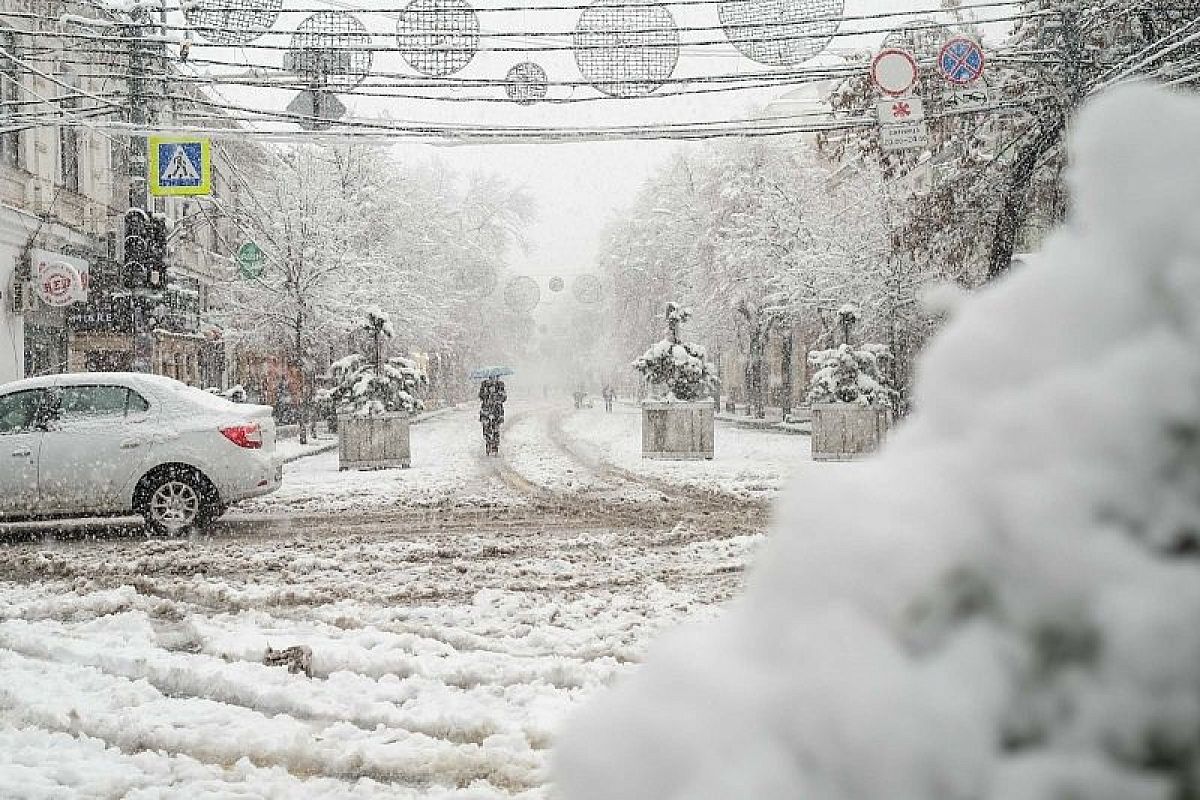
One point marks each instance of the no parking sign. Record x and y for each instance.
(961, 61)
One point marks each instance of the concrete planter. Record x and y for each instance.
(844, 432)
(677, 431)
(379, 441)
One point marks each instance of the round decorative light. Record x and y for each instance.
(438, 37)
(522, 294)
(780, 33)
(231, 21)
(626, 49)
(330, 48)
(526, 83)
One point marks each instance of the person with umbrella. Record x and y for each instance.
(492, 396)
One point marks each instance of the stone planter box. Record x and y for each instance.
(677, 431)
(379, 441)
(844, 432)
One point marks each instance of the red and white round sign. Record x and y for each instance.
(59, 283)
(894, 70)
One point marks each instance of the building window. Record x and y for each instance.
(68, 139)
(10, 94)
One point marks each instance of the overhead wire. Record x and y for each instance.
(401, 48)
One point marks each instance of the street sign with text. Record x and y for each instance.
(904, 136)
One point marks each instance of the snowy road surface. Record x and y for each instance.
(456, 613)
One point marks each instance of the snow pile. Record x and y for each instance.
(847, 375)
(1004, 605)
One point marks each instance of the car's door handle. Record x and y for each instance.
(22, 453)
(129, 444)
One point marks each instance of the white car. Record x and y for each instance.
(114, 443)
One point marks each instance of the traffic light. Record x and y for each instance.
(137, 249)
(156, 265)
(145, 265)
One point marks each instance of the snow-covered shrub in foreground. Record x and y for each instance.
(1004, 604)
(847, 375)
(680, 366)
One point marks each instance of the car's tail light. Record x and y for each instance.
(248, 436)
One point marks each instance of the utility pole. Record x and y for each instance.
(139, 196)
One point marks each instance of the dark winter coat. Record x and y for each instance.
(492, 397)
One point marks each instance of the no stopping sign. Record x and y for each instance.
(894, 71)
(961, 61)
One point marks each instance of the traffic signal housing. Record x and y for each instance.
(145, 262)
(137, 249)
(156, 264)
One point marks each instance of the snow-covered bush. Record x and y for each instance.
(367, 387)
(1003, 604)
(680, 366)
(363, 390)
(848, 375)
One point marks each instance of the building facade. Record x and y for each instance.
(64, 191)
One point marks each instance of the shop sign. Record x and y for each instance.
(102, 312)
(59, 280)
(250, 260)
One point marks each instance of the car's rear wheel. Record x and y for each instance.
(175, 501)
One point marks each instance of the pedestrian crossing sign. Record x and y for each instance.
(180, 165)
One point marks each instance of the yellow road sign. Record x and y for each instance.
(180, 165)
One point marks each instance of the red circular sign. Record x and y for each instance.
(894, 70)
(59, 284)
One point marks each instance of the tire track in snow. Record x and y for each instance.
(86, 700)
(229, 683)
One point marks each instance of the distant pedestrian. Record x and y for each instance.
(608, 394)
(579, 395)
(492, 396)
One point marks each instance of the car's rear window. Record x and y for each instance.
(91, 401)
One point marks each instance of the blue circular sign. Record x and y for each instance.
(961, 61)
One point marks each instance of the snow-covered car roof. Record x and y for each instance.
(166, 390)
(132, 379)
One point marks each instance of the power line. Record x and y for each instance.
(400, 48)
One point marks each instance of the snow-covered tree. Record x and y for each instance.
(365, 389)
(845, 374)
(347, 228)
(680, 366)
(374, 385)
